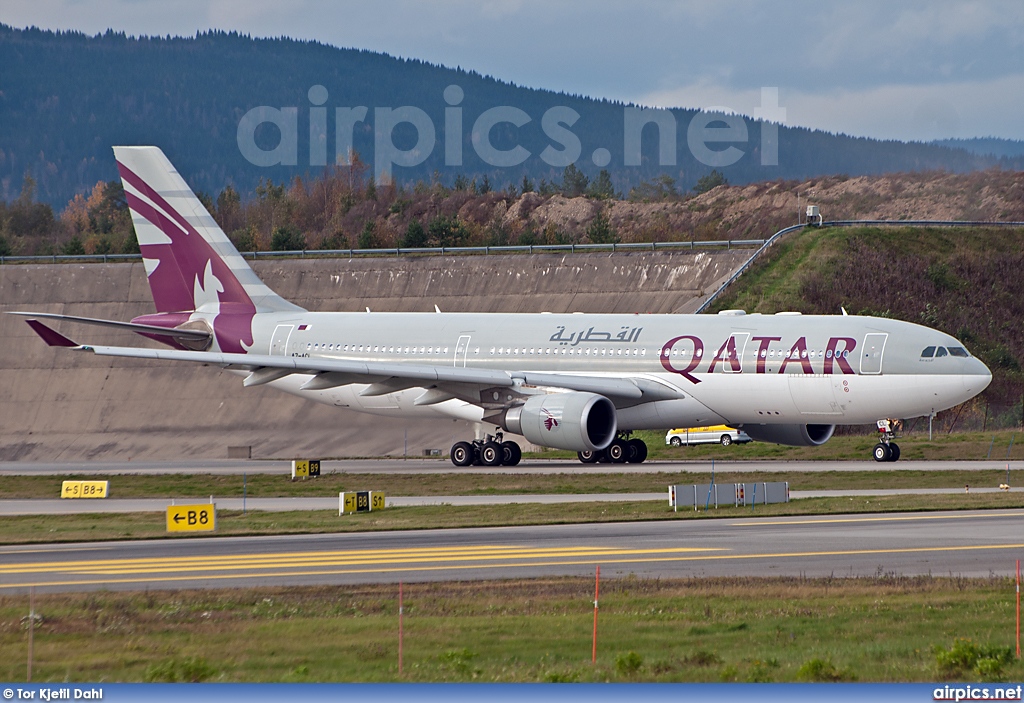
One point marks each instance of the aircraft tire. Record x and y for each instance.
(881, 452)
(462, 454)
(491, 454)
(617, 452)
(894, 451)
(637, 451)
(588, 457)
(512, 454)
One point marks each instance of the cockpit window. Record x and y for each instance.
(958, 351)
(941, 351)
(928, 353)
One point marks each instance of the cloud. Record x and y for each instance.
(905, 112)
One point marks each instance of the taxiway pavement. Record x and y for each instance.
(969, 543)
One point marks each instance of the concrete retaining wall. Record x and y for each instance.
(61, 405)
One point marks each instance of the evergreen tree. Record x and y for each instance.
(602, 187)
(447, 232)
(661, 188)
(73, 247)
(485, 185)
(371, 188)
(527, 185)
(712, 180)
(600, 230)
(574, 182)
(415, 236)
(287, 239)
(368, 237)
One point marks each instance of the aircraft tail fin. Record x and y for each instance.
(190, 263)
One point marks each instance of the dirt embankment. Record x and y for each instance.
(758, 210)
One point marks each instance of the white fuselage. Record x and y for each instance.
(732, 369)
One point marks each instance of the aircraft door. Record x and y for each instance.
(871, 353)
(461, 351)
(279, 342)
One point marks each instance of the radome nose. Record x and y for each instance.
(976, 376)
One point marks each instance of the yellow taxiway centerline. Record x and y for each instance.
(467, 567)
(292, 559)
(906, 518)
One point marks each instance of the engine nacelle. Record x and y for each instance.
(792, 435)
(576, 421)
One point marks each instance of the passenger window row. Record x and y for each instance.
(563, 351)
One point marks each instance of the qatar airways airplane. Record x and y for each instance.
(573, 381)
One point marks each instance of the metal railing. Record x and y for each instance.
(412, 251)
(846, 223)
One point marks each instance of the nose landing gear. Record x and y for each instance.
(886, 449)
(492, 450)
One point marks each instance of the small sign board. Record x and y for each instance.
(192, 518)
(84, 489)
(360, 501)
(304, 468)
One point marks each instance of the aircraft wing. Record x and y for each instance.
(384, 377)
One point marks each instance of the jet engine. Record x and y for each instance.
(792, 435)
(575, 421)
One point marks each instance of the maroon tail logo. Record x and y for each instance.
(189, 272)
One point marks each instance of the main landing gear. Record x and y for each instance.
(490, 451)
(622, 450)
(886, 449)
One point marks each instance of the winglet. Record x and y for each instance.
(50, 336)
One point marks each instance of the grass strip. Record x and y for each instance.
(35, 529)
(281, 486)
(884, 629)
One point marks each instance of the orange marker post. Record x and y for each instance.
(400, 633)
(597, 589)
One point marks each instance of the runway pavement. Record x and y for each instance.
(443, 466)
(972, 543)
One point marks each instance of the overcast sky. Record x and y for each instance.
(901, 70)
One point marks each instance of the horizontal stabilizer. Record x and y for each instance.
(52, 337)
(117, 324)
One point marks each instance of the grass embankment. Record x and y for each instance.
(963, 281)
(750, 629)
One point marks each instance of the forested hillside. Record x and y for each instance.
(66, 98)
